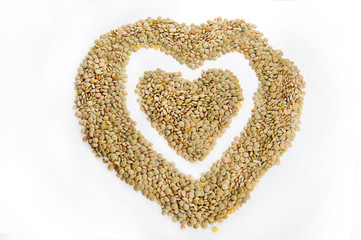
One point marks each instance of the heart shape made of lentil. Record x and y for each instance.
(190, 115)
(113, 136)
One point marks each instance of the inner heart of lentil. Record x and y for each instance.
(190, 115)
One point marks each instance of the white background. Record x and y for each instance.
(52, 186)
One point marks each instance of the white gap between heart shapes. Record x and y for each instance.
(149, 60)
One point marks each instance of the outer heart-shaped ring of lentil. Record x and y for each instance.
(113, 136)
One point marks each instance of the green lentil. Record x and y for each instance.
(101, 106)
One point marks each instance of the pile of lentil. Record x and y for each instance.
(191, 115)
(113, 136)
